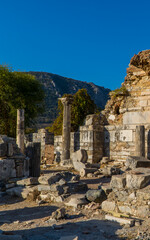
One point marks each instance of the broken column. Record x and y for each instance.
(65, 158)
(140, 141)
(20, 129)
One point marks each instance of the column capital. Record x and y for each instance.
(66, 100)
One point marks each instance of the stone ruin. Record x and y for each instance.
(115, 143)
(119, 141)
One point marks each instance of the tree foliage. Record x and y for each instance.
(82, 105)
(18, 90)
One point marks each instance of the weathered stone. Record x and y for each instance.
(96, 195)
(125, 209)
(118, 181)
(79, 156)
(28, 181)
(109, 171)
(120, 220)
(23, 192)
(75, 187)
(143, 194)
(20, 129)
(49, 178)
(143, 211)
(107, 188)
(85, 171)
(121, 195)
(108, 206)
(3, 149)
(140, 178)
(76, 200)
(59, 214)
(133, 162)
(78, 166)
(66, 101)
(7, 169)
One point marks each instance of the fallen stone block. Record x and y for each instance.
(97, 196)
(28, 181)
(118, 181)
(49, 178)
(85, 171)
(79, 156)
(76, 200)
(75, 187)
(108, 206)
(109, 171)
(131, 222)
(133, 162)
(143, 194)
(125, 209)
(59, 214)
(137, 179)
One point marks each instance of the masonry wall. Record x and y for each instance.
(44, 137)
(89, 137)
(119, 141)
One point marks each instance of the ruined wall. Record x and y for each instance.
(89, 137)
(44, 137)
(120, 141)
(12, 163)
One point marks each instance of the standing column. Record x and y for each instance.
(66, 101)
(140, 141)
(20, 129)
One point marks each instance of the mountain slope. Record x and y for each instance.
(55, 86)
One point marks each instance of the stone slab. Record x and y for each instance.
(120, 220)
(138, 178)
(136, 117)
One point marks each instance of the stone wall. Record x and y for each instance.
(13, 164)
(44, 137)
(120, 141)
(89, 137)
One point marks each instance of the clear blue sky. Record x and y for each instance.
(88, 40)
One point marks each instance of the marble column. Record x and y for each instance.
(65, 158)
(20, 129)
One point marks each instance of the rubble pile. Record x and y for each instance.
(131, 190)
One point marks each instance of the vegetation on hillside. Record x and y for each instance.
(18, 90)
(82, 105)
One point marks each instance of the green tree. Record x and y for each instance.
(18, 90)
(82, 105)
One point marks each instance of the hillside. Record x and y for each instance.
(55, 86)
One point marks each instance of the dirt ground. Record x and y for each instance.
(33, 221)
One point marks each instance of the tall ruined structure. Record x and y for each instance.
(123, 128)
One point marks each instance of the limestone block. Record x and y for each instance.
(97, 196)
(143, 194)
(136, 117)
(108, 206)
(10, 150)
(7, 169)
(120, 220)
(143, 211)
(118, 181)
(28, 181)
(136, 162)
(49, 178)
(125, 209)
(76, 200)
(137, 179)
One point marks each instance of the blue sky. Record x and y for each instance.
(88, 40)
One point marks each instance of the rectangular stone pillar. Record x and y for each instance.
(33, 151)
(140, 141)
